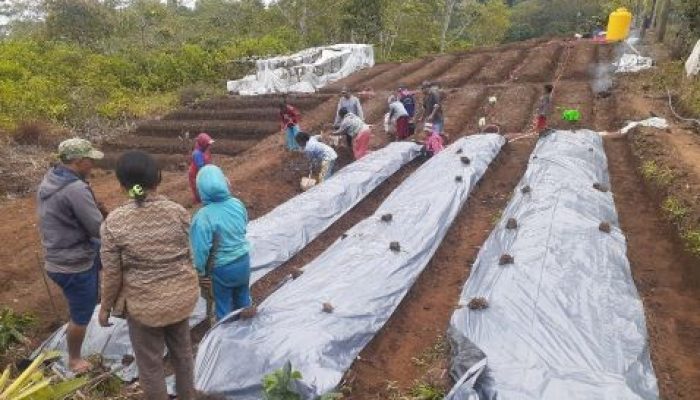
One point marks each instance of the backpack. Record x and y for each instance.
(409, 102)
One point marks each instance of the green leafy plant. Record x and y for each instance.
(692, 241)
(279, 384)
(34, 384)
(12, 328)
(424, 391)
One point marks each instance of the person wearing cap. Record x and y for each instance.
(201, 156)
(350, 103)
(69, 224)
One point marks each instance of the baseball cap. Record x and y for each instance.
(76, 148)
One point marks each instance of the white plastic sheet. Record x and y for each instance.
(275, 238)
(305, 71)
(692, 65)
(633, 63)
(654, 122)
(359, 276)
(278, 235)
(564, 320)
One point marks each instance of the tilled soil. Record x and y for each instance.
(423, 316)
(461, 72)
(263, 175)
(666, 277)
(364, 209)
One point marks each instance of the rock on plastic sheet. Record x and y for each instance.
(564, 320)
(278, 235)
(364, 276)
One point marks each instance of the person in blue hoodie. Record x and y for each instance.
(219, 244)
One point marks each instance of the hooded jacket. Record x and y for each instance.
(68, 220)
(223, 216)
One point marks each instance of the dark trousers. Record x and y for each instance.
(149, 347)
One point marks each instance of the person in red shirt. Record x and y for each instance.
(201, 156)
(290, 117)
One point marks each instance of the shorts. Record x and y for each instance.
(81, 291)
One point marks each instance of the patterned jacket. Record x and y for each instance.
(146, 258)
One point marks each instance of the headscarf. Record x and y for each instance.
(203, 142)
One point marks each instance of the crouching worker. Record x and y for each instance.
(148, 277)
(219, 245)
(318, 153)
(433, 142)
(357, 133)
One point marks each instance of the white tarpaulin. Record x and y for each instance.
(362, 277)
(305, 71)
(653, 122)
(692, 65)
(633, 63)
(274, 238)
(563, 319)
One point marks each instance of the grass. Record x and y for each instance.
(13, 326)
(692, 240)
(424, 391)
(437, 351)
(674, 209)
(659, 175)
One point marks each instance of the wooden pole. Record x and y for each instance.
(663, 20)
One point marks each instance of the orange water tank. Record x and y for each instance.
(619, 25)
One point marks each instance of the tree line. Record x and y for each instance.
(65, 60)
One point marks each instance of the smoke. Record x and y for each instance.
(601, 81)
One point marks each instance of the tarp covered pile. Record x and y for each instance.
(322, 320)
(563, 317)
(305, 71)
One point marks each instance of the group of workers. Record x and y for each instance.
(349, 122)
(153, 257)
(149, 253)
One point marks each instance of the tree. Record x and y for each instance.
(86, 22)
(363, 20)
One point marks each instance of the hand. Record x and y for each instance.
(103, 209)
(205, 282)
(104, 318)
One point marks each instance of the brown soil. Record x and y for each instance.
(263, 176)
(498, 69)
(391, 78)
(464, 70)
(460, 110)
(357, 80)
(190, 129)
(249, 114)
(540, 63)
(514, 109)
(579, 63)
(576, 95)
(362, 210)
(666, 277)
(425, 312)
(435, 68)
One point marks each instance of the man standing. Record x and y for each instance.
(350, 103)
(432, 108)
(69, 223)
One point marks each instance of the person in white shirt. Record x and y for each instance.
(350, 103)
(357, 133)
(398, 117)
(318, 153)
